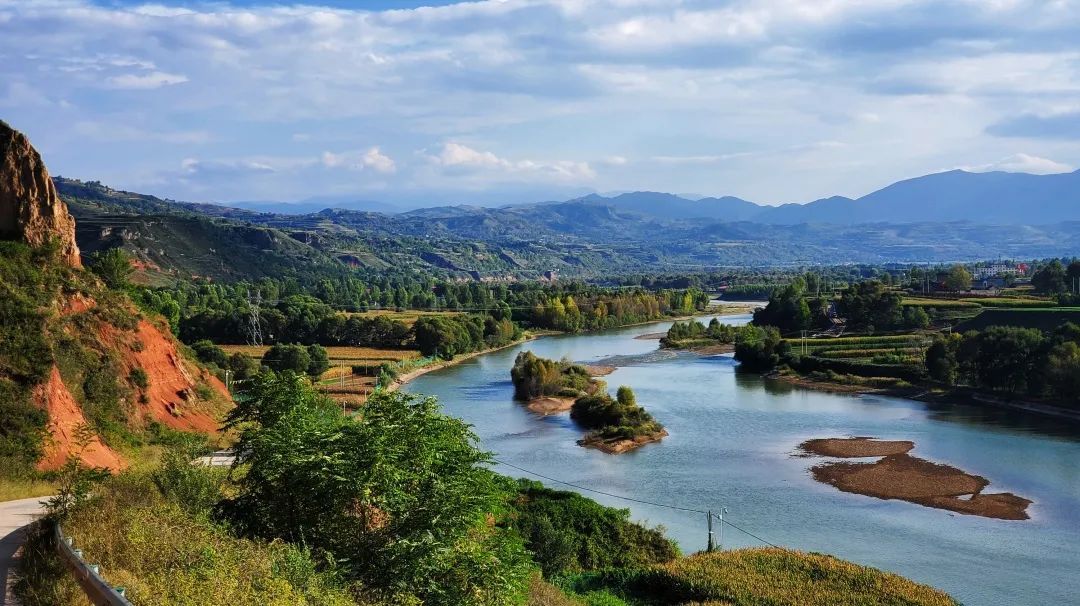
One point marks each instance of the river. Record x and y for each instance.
(733, 444)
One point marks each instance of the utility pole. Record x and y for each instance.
(709, 516)
(723, 510)
(228, 380)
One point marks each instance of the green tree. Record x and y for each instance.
(281, 358)
(941, 360)
(759, 349)
(1050, 278)
(958, 278)
(113, 266)
(400, 497)
(319, 360)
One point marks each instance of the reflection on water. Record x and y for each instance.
(733, 437)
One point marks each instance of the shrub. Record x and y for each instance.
(567, 533)
(139, 378)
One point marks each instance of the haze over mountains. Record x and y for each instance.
(957, 195)
(944, 217)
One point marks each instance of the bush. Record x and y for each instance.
(621, 418)
(209, 353)
(534, 376)
(139, 378)
(567, 533)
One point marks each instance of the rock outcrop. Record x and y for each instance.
(30, 209)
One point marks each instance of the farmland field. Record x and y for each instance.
(409, 316)
(337, 354)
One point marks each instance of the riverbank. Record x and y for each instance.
(898, 475)
(929, 394)
(412, 374)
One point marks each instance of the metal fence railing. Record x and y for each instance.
(88, 575)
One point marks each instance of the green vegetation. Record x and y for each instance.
(693, 334)
(567, 533)
(448, 336)
(620, 418)
(399, 496)
(534, 377)
(759, 349)
(312, 360)
(751, 577)
(1011, 360)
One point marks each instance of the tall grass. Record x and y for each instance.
(751, 577)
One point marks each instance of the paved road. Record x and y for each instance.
(14, 516)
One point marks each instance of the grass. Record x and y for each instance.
(940, 303)
(12, 489)
(751, 577)
(163, 555)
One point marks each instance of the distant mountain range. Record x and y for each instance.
(957, 195)
(951, 216)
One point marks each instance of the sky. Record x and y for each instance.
(506, 101)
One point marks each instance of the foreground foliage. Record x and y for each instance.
(398, 498)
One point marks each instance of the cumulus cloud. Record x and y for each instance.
(683, 88)
(1023, 163)
(458, 157)
(372, 158)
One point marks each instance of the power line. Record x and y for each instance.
(607, 494)
(643, 502)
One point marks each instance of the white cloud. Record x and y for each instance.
(145, 81)
(458, 157)
(372, 158)
(525, 91)
(1023, 163)
(378, 161)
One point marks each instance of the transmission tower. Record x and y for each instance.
(255, 322)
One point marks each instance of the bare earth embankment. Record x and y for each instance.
(898, 475)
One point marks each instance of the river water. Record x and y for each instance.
(733, 444)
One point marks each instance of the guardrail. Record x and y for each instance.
(88, 575)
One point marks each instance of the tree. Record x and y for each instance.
(758, 348)
(209, 353)
(1050, 279)
(282, 358)
(113, 266)
(400, 496)
(319, 360)
(915, 317)
(1063, 372)
(958, 278)
(941, 360)
(871, 304)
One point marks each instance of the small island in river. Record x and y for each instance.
(616, 425)
(898, 475)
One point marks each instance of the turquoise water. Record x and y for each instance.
(732, 444)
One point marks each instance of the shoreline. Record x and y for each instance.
(423, 370)
(621, 445)
(927, 395)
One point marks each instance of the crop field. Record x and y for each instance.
(978, 302)
(348, 355)
(408, 316)
(1042, 319)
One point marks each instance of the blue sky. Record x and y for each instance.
(516, 100)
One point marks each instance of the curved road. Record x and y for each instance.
(14, 516)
